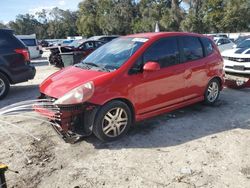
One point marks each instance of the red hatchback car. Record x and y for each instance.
(133, 78)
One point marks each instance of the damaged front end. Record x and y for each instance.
(72, 122)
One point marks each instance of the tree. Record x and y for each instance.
(24, 24)
(194, 21)
(87, 22)
(2, 26)
(237, 16)
(214, 13)
(173, 17)
(115, 17)
(149, 12)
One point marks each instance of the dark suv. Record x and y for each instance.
(14, 62)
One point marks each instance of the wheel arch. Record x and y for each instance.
(219, 79)
(6, 75)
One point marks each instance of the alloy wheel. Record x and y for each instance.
(213, 92)
(114, 122)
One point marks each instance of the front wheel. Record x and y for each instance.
(112, 121)
(212, 92)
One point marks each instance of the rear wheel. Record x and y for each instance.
(4, 86)
(112, 121)
(212, 92)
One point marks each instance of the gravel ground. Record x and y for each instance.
(197, 146)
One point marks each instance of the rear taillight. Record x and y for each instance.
(24, 52)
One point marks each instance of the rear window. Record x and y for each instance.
(192, 48)
(29, 42)
(7, 40)
(208, 46)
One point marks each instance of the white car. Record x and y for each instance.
(223, 43)
(32, 44)
(237, 60)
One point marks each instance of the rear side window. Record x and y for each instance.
(8, 41)
(192, 48)
(29, 42)
(208, 46)
(165, 52)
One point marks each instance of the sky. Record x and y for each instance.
(9, 9)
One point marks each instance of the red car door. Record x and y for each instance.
(162, 88)
(195, 66)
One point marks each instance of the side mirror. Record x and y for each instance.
(151, 66)
(219, 44)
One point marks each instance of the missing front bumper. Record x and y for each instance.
(72, 122)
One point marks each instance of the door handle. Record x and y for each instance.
(188, 74)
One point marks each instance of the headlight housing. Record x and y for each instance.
(78, 95)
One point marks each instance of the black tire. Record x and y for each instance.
(4, 82)
(101, 122)
(212, 100)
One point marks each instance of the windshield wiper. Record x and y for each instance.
(95, 65)
(91, 64)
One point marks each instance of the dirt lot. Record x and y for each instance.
(197, 146)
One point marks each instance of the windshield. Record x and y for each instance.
(115, 53)
(244, 44)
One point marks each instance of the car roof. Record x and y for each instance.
(32, 36)
(102, 36)
(7, 30)
(165, 34)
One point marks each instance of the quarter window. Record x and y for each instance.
(192, 48)
(5, 40)
(208, 46)
(165, 52)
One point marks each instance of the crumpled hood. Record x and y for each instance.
(67, 79)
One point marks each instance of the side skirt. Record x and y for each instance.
(140, 117)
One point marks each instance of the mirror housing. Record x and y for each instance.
(151, 66)
(219, 44)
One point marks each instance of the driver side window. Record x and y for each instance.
(164, 51)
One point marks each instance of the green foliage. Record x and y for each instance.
(237, 15)
(2, 26)
(115, 17)
(56, 23)
(215, 11)
(194, 21)
(97, 17)
(87, 22)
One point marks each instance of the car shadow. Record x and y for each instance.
(20, 93)
(183, 125)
